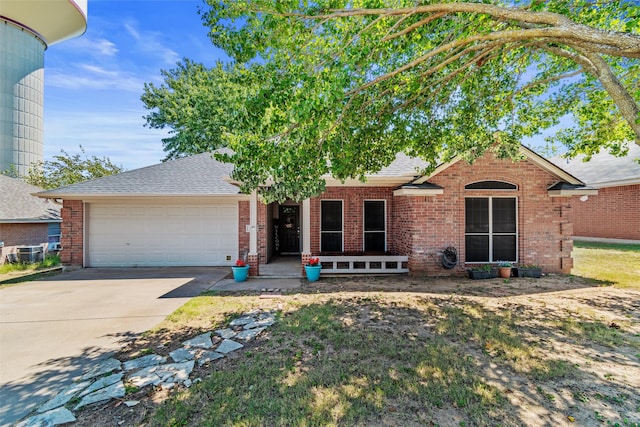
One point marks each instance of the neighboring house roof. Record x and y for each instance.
(604, 169)
(17, 205)
(197, 175)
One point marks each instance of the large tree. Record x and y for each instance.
(339, 87)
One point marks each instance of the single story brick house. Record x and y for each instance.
(26, 220)
(615, 212)
(189, 212)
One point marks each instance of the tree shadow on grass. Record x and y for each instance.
(365, 361)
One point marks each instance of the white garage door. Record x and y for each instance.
(166, 235)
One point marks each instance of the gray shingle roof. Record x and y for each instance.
(604, 169)
(197, 175)
(18, 205)
(403, 165)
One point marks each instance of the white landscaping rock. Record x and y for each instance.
(201, 341)
(144, 361)
(225, 333)
(51, 418)
(104, 367)
(208, 356)
(64, 396)
(102, 383)
(227, 346)
(250, 334)
(111, 392)
(162, 373)
(241, 321)
(184, 354)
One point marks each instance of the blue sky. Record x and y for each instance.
(93, 83)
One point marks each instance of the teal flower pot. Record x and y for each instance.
(240, 274)
(313, 272)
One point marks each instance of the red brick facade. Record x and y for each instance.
(422, 226)
(419, 227)
(353, 214)
(426, 225)
(614, 213)
(72, 232)
(27, 234)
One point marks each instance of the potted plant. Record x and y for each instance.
(529, 271)
(482, 272)
(312, 269)
(504, 268)
(240, 271)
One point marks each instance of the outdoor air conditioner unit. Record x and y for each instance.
(54, 246)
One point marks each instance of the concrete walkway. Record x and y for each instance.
(52, 330)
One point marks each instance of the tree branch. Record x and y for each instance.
(545, 34)
(610, 42)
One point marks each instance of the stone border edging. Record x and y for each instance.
(107, 379)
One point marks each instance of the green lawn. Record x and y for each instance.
(612, 263)
(13, 273)
(346, 358)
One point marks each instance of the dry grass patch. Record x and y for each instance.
(373, 351)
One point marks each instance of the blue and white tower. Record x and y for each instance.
(27, 28)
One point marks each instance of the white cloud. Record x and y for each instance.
(152, 44)
(86, 45)
(90, 76)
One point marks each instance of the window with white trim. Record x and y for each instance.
(375, 232)
(331, 226)
(491, 232)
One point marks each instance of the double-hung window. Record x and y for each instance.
(491, 229)
(331, 226)
(374, 226)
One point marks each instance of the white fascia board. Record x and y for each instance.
(571, 193)
(92, 198)
(372, 181)
(418, 191)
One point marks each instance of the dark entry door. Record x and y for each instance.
(289, 229)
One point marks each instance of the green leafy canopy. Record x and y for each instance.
(336, 87)
(67, 169)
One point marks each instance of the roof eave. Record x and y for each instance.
(371, 181)
(531, 155)
(418, 191)
(92, 196)
(573, 192)
(29, 220)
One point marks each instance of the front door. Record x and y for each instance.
(289, 230)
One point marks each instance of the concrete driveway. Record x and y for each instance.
(53, 329)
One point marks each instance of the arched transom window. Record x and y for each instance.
(490, 185)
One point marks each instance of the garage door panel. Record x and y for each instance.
(171, 235)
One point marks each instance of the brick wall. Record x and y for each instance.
(353, 213)
(614, 213)
(13, 235)
(24, 234)
(244, 219)
(72, 234)
(426, 225)
(244, 237)
(422, 226)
